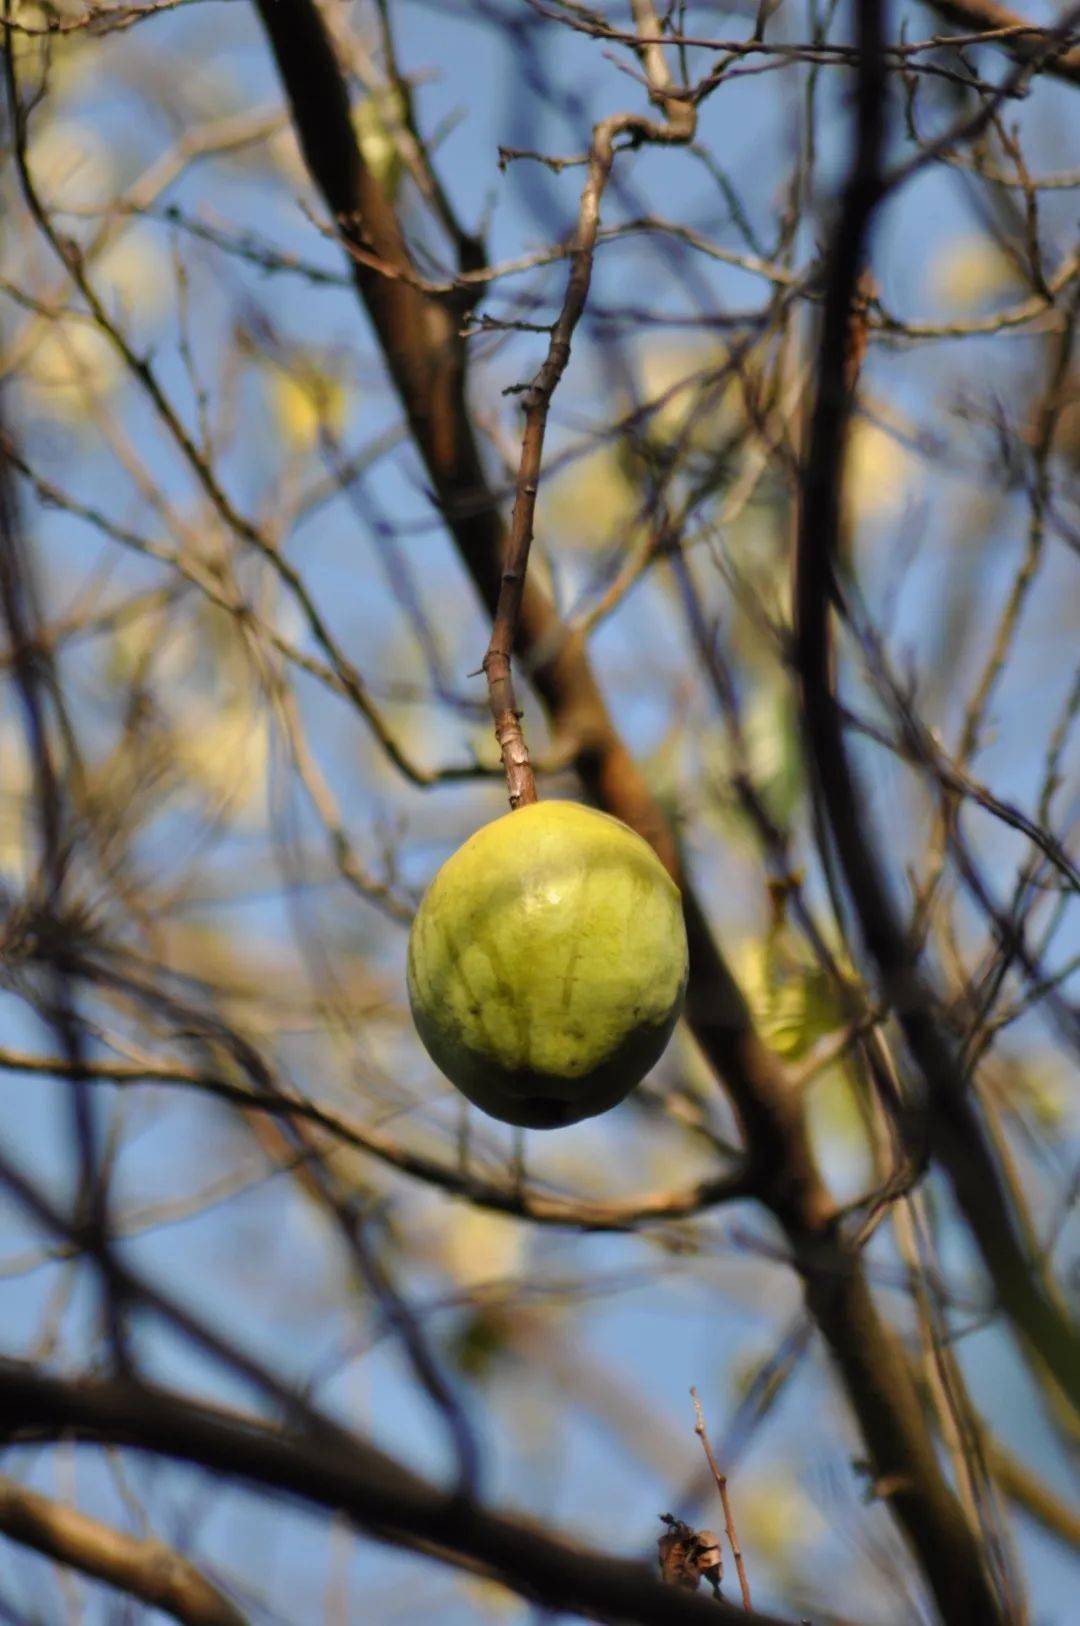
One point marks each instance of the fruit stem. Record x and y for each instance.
(520, 781)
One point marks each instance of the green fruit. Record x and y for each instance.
(547, 964)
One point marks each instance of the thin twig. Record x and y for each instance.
(721, 1485)
(676, 127)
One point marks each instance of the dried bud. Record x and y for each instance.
(709, 1559)
(675, 1549)
(687, 1554)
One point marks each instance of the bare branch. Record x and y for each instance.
(146, 1569)
(378, 1494)
(419, 340)
(520, 1202)
(1016, 36)
(956, 1134)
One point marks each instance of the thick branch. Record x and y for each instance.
(311, 1456)
(144, 1569)
(373, 1490)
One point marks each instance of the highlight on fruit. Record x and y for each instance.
(547, 964)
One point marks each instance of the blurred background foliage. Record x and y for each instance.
(242, 843)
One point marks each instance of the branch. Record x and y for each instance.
(957, 1134)
(1056, 1515)
(145, 1569)
(419, 337)
(675, 128)
(725, 1502)
(373, 1490)
(310, 1456)
(540, 1207)
(985, 16)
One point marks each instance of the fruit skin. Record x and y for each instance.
(547, 964)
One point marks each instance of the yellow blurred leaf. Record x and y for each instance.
(226, 752)
(791, 996)
(774, 747)
(374, 137)
(131, 645)
(68, 53)
(1043, 1088)
(691, 403)
(776, 1519)
(373, 120)
(284, 153)
(834, 1111)
(304, 401)
(969, 271)
(15, 789)
(71, 165)
(490, 1600)
(880, 477)
(590, 501)
(69, 366)
(479, 1247)
(133, 276)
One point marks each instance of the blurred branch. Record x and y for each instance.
(1052, 46)
(1038, 307)
(947, 1391)
(347, 1475)
(1048, 412)
(144, 375)
(819, 521)
(1020, 39)
(103, 19)
(146, 1569)
(309, 1455)
(424, 324)
(338, 674)
(957, 1135)
(918, 744)
(43, 709)
(1056, 1515)
(518, 1202)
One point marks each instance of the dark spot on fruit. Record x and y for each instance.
(545, 1112)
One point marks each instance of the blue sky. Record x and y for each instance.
(689, 1321)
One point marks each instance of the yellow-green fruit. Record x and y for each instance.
(547, 964)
